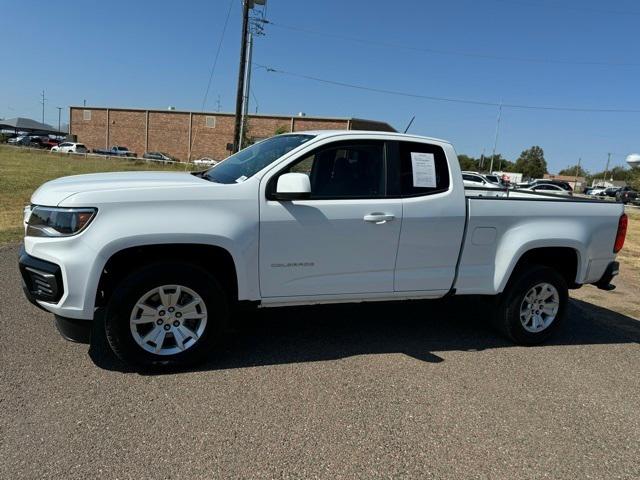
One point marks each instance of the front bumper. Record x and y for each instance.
(76, 271)
(41, 280)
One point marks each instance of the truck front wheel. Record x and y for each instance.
(167, 314)
(532, 306)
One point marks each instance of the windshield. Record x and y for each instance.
(246, 163)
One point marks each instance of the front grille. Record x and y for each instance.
(41, 279)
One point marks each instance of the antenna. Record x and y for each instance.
(409, 125)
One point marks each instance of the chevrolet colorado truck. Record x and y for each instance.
(298, 219)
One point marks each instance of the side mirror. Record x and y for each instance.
(293, 186)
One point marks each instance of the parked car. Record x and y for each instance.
(17, 140)
(206, 161)
(49, 143)
(163, 157)
(70, 147)
(163, 258)
(544, 181)
(481, 186)
(115, 151)
(626, 195)
(548, 188)
(26, 140)
(495, 179)
(597, 191)
(610, 192)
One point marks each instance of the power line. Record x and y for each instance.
(192, 141)
(446, 99)
(454, 52)
(215, 60)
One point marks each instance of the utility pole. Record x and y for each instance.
(218, 104)
(495, 141)
(247, 88)
(575, 180)
(42, 102)
(59, 115)
(244, 70)
(241, 75)
(606, 169)
(482, 161)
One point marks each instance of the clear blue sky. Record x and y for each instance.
(155, 54)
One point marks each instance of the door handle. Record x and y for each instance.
(378, 218)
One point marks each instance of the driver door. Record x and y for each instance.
(344, 238)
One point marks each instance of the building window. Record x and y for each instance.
(86, 115)
(210, 122)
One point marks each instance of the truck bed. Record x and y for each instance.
(500, 229)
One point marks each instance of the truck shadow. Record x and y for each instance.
(418, 329)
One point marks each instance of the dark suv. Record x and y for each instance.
(559, 183)
(626, 195)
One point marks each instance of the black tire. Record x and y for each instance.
(506, 316)
(145, 279)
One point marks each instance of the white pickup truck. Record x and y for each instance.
(298, 219)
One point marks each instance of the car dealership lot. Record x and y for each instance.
(414, 390)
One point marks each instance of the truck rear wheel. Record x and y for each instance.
(533, 305)
(167, 314)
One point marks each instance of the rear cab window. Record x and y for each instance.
(422, 168)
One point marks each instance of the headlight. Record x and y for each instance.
(58, 222)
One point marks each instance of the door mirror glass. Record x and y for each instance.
(293, 186)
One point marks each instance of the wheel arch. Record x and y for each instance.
(213, 258)
(566, 260)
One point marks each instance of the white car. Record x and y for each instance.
(548, 188)
(70, 147)
(205, 161)
(481, 186)
(299, 219)
(597, 191)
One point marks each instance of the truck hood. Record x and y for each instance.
(54, 192)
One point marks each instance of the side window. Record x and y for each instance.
(471, 178)
(432, 174)
(345, 170)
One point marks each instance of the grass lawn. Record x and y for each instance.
(23, 170)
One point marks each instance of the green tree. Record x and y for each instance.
(281, 129)
(634, 179)
(500, 164)
(531, 163)
(574, 171)
(467, 162)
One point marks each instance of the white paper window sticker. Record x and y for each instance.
(424, 170)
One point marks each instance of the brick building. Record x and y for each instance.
(190, 135)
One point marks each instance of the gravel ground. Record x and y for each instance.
(412, 390)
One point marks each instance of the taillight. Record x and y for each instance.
(621, 234)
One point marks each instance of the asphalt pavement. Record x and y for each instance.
(408, 390)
